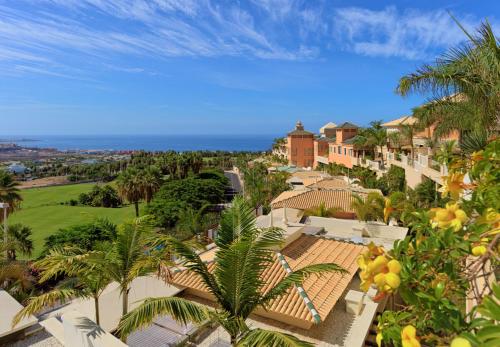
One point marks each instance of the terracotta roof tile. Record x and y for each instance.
(341, 198)
(323, 291)
(400, 121)
(328, 183)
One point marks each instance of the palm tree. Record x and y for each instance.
(394, 139)
(150, 182)
(322, 211)
(195, 222)
(377, 135)
(86, 279)
(244, 253)
(19, 239)
(408, 133)
(463, 83)
(9, 192)
(369, 209)
(128, 259)
(254, 182)
(130, 187)
(446, 152)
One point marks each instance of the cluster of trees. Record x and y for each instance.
(99, 196)
(184, 197)
(260, 186)
(100, 171)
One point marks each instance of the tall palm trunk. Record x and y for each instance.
(124, 301)
(136, 204)
(382, 155)
(96, 306)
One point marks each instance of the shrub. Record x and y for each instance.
(82, 235)
(100, 196)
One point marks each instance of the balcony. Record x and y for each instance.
(321, 159)
(421, 165)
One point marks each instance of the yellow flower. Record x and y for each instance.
(378, 339)
(409, 337)
(453, 184)
(460, 342)
(478, 250)
(449, 217)
(490, 216)
(477, 156)
(394, 266)
(388, 209)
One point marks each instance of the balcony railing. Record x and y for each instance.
(321, 159)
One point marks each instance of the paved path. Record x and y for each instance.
(234, 181)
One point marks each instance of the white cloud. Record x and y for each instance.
(410, 34)
(68, 37)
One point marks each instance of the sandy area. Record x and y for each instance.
(44, 182)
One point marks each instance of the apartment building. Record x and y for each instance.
(300, 147)
(337, 144)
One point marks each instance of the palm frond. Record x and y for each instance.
(193, 262)
(64, 260)
(37, 303)
(474, 141)
(182, 310)
(240, 267)
(237, 222)
(261, 337)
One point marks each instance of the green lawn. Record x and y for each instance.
(41, 210)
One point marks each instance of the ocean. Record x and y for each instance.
(145, 142)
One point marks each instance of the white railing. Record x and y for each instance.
(423, 160)
(375, 165)
(405, 160)
(321, 159)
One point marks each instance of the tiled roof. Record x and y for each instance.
(350, 141)
(400, 121)
(322, 292)
(329, 183)
(347, 125)
(309, 174)
(300, 132)
(325, 139)
(287, 194)
(341, 198)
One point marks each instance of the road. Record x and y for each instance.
(234, 181)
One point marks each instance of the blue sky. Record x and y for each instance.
(206, 66)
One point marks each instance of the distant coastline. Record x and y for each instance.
(16, 140)
(180, 143)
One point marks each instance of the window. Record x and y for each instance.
(345, 151)
(339, 150)
(350, 152)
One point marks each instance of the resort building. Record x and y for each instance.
(337, 144)
(300, 147)
(420, 138)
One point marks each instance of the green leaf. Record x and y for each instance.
(489, 332)
(180, 309)
(261, 337)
